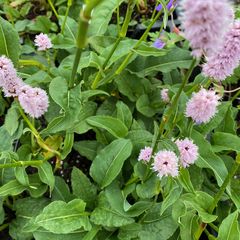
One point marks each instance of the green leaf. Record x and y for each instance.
(25, 210)
(185, 181)
(229, 228)
(226, 141)
(111, 124)
(60, 217)
(2, 213)
(11, 120)
(144, 106)
(21, 176)
(5, 139)
(101, 16)
(44, 235)
(171, 198)
(12, 188)
(124, 114)
(106, 215)
(146, 50)
(42, 24)
(108, 163)
(82, 187)
(87, 148)
(7, 174)
(46, 174)
(9, 41)
(61, 191)
(36, 187)
(176, 58)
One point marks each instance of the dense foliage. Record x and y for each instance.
(110, 135)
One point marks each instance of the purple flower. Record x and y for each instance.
(205, 23)
(34, 101)
(222, 64)
(169, 5)
(188, 151)
(202, 106)
(158, 44)
(145, 154)
(166, 163)
(43, 42)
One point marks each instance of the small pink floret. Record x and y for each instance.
(43, 42)
(145, 154)
(166, 164)
(188, 151)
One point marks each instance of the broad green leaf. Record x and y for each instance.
(129, 232)
(229, 228)
(11, 188)
(11, 120)
(36, 187)
(21, 176)
(175, 58)
(144, 106)
(111, 124)
(108, 163)
(124, 114)
(60, 217)
(87, 148)
(44, 235)
(226, 141)
(105, 215)
(9, 41)
(42, 24)
(82, 187)
(7, 174)
(46, 174)
(155, 227)
(5, 139)
(101, 16)
(185, 181)
(171, 198)
(25, 209)
(61, 191)
(145, 50)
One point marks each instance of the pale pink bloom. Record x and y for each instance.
(166, 163)
(222, 64)
(202, 106)
(9, 81)
(43, 42)
(145, 154)
(34, 101)
(7, 70)
(205, 22)
(165, 96)
(188, 151)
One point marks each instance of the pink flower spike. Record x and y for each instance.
(188, 151)
(205, 23)
(164, 95)
(43, 42)
(34, 101)
(222, 64)
(202, 106)
(145, 154)
(166, 163)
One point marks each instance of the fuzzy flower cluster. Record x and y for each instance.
(43, 42)
(202, 106)
(145, 154)
(166, 163)
(188, 151)
(9, 81)
(222, 64)
(165, 96)
(205, 23)
(34, 101)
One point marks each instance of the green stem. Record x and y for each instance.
(235, 96)
(215, 228)
(22, 164)
(165, 118)
(81, 41)
(143, 37)
(69, 4)
(218, 196)
(27, 62)
(53, 8)
(4, 226)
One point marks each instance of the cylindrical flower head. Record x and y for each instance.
(145, 154)
(12, 86)
(34, 101)
(166, 164)
(202, 106)
(43, 42)
(7, 70)
(205, 22)
(164, 95)
(188, 151)
(222, 64)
